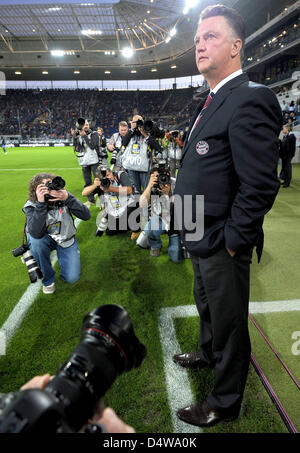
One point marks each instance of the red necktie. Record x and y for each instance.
(208, 100)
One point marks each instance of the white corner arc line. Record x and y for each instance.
(16, 317)
(178, 386)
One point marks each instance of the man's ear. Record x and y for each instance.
(236, 47)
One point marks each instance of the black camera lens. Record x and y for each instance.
(80, 123)
(163, 178)
(114, 322)
(148, 126)
(151, 128)
(105, 182)
(139, 123)
(108, 347)
(57, 183)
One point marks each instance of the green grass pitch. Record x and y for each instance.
(115, 270)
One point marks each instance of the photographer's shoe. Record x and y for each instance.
(135, 235)
(49, 289)
(89, 203)
(154, 252)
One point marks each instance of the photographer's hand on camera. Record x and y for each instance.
(112, 422)
(107, 417)
(41, 191)
(164, 189)
(56, 195)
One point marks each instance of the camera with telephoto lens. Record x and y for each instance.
(114, 154)
(57, 183)
(108, 347)
(139, 123)
(152, 129)
(102, 226)
(163, 177)
(174, 134)
(34, 272)
(80, 124)
(104, 180)
(102, 154)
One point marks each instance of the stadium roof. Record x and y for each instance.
(90, 37)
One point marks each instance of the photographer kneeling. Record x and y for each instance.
(159, 198)
(50, 226)
(119, 202)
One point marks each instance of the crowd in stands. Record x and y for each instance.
(290, 110)
(52, 113)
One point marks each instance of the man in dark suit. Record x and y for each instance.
(230, 156)
(286, 153)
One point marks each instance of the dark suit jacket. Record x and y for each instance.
(288, 147)
(231, 158)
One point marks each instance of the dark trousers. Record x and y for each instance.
(87, 177)
(221, 292)
(287, 170)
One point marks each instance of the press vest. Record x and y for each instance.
(60, 225)
(87, 156)
(116, 204)
(135, 156)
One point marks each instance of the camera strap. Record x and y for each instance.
(24, 238)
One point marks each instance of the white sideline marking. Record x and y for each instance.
(2, 343)
(16, 317)
(178, 386)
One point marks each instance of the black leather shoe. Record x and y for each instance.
(189, 360)
(200, 414)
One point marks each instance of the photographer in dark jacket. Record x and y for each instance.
(286, 153)
(50, 226)
(137, 157)
(87, 147)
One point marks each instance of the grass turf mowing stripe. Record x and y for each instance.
(287, 421)
(16, 317)
(178, 385)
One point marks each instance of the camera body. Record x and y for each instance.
(139, 123)
(114, 154)
(79, 125)
(152, 129)
(105, 181)
(57, 183)
(107, 348)
(174, 134)
(164, 176)
(34, 272)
